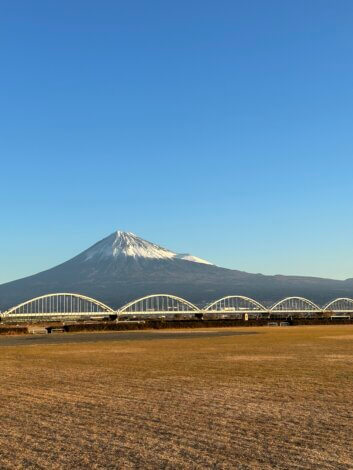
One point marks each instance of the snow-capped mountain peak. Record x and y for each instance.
(128, 244)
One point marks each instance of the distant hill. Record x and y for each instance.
(122, 267)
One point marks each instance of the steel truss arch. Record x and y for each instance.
(159, 303)
(57, 303)
(236, 303)
(342, 304)
(295, 304)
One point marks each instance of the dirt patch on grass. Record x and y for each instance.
(117, 351)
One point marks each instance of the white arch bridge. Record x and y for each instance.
(58, 305)
(62, 305)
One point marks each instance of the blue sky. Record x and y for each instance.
(222, 128)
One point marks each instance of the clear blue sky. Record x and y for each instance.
(221, 128)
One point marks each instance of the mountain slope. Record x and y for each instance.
(123, 266)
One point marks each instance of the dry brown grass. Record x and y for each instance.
(281, 399)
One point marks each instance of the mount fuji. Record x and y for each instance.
(123, 266)
(126, 244)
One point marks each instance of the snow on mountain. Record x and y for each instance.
(195, 259)
(128, 244)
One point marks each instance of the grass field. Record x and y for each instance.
(280, 399)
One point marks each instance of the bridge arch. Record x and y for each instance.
(158, 304)
(59, 304)
(295, 305)
(235, 303)
(342, 304)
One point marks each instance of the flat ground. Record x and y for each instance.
(93, 337)
(279, 399)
